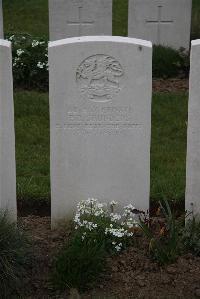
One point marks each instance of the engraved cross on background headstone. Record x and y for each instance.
(80, 22)
(159, 22)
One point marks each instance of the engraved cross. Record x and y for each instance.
(80, 22)
(159, 22)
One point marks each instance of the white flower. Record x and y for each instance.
(16, 59)
(86, 224)
(118, 247)
(115, 217)
(91, 206)
(11, 37)
(128, 210)
(40, 65)
(77, 218)
(35, 43)
(116, 232)
(129, 224)
(130, 234)
(20, 52)
(129, 207)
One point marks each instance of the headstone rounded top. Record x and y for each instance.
(113, 39)
(5, 43)
(195, 42)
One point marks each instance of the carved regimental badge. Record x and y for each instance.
(99, 77)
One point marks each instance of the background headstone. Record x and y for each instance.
(69, 18)
(7, 135)
(1, 20)
(193, 141)
(100, 111)
(164, 22)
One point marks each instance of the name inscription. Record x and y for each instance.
(99, 120)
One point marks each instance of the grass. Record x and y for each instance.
(31, 16)
(15, 255)
(32, 145)
(26, 16)
(167, 153)
(195, 20)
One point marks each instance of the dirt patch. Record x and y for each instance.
(170, 85)
(45, 244)
(134, 275)
(40, 207)
(131, 274)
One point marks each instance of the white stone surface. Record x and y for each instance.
(164, 22)
(7, 135)
(69, 18)
(1, 20)
(193, 143)
(100, 120)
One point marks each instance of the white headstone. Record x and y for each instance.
(1, 20)
(164, 22)
(193, 141)
(69, 18)
(7, 135)
(100, 111)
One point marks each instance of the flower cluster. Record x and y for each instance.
(30, 62)
(98, 222)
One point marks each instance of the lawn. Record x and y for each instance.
(32, 145)
(167, 153)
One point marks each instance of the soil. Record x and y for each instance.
(170, 85)
(132, 274)
(45, 245)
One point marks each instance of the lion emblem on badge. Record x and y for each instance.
(98, 77)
